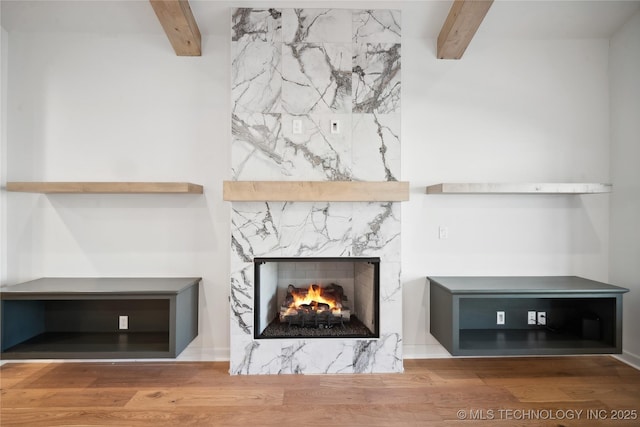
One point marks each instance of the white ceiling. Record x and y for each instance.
(532, 19)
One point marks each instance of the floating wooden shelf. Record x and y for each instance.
(515, 188)
(104, 187)
(315, 191)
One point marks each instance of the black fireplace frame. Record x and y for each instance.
(375, 261)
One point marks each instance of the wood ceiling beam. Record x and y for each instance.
(460, 26)
(180, 26)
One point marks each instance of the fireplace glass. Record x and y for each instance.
(316, 297)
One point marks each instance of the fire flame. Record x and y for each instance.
(313, 297)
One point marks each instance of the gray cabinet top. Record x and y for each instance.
(523, 285)
(99, 285)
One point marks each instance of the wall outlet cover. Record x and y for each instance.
(123, 322)
(542, 318)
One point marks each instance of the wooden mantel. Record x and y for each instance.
(460, 26)
(180, 26)
(315, 191)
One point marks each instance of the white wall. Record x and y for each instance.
(103, 107)
(508, 111)
(4, 43)
(625, 175)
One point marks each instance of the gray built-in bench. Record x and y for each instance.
(100, 318)
(549, 315)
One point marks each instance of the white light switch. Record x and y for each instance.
(443, 232)
(297, 126)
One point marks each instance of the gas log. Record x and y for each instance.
(315, 306)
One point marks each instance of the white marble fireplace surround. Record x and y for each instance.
(315, 65)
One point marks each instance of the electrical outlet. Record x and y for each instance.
(123, 322)
(532, 318)
(542, 318)
(500, 318)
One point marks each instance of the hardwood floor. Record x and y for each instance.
(546, 391)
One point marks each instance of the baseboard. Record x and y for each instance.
(425, 351)
(630, 359)
(204, 354)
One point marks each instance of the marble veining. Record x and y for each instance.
(376, 78)
(381, 26)
(255, 229)
(290, 363)
(391, 298)
(316, 78)
(290, 229)
(244, 367)
(307, 357)
(256, 24)
(242, 300)
(317, 25)
(256, 77)
(239, 250)
(376, 147)
(265, 147)
(365, 353)
(362, 355)
(331, 167)
(316, 153)
(256, 145)
(316, 229)
(376, 228)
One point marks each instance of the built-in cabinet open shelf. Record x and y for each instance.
(489, 316)
(81, 317)
(315, 191)
(518, 188)
(106, 187)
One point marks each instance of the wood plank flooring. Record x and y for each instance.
(543, 391)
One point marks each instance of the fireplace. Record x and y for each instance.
(306, 297)
(312, 66)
